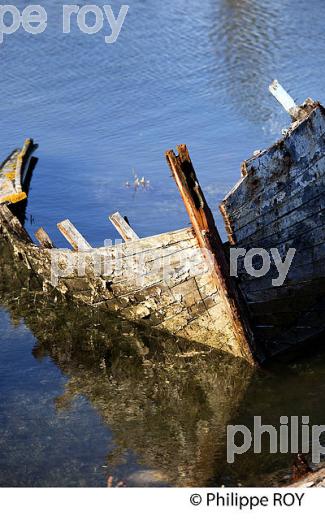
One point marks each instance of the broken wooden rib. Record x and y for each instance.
(73, 236)
(43, 238)
(296, 112)
(283, 97)
(123, 227)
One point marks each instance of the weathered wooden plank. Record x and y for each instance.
(172, 254)
(134, 272)
(187, 292)
(160, 292)
(305, 237)
(78, 242)
(296, 274)
(295, 289)
(43, 238)
(279, 192)
(288, 210)
(123, 227)
(266, 210)
(165, 295)
(298, 148)
(156, 244)
(295, 111)
(9, 162)
(282, 96)
(19, 164)
(291, 226)
(206, 288)
(180, 268)
(209, 240)
(309, 251)
(13, 198)
(303, 258)
(172, 310)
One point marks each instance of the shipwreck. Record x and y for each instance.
(278, 203)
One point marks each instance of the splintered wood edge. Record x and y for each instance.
(209, 239)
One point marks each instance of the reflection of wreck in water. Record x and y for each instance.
(166, 400)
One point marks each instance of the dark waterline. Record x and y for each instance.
(82, 400)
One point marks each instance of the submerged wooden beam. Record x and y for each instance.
(78, 242)
(123, 227)
(44, 238)
(209, 240)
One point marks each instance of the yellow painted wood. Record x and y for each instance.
(14, 197)
(10, 175)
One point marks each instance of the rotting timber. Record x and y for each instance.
(278, 203)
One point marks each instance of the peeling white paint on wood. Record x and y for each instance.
(282, 96)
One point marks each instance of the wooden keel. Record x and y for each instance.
(211, 244)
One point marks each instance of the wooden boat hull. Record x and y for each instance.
(279, 204)
(182, 304)
(181, 281)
